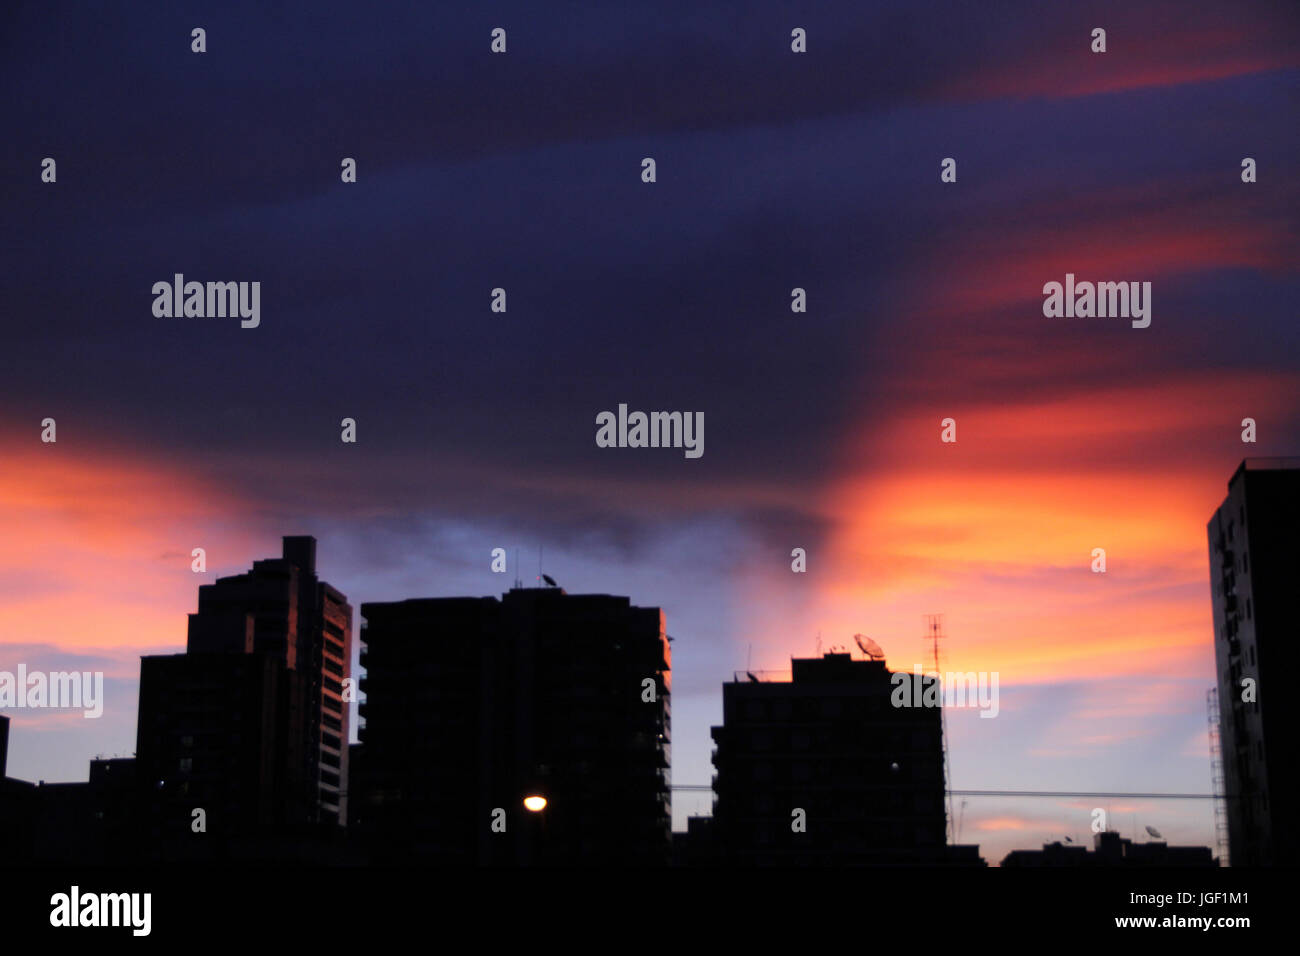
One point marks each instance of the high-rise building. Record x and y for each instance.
(475, 704)
(1254, 542)
(823, 769)
(250, 724)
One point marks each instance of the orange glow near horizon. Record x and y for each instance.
(97, 549)
(997, 531)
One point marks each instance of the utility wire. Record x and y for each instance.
(1029, 793)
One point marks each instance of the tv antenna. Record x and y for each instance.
(934, 627)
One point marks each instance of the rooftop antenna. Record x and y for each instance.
(934, 627)
(819, 643)
(869, 647)
(541, 550)
(518, 581)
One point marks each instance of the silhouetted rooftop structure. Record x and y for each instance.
(823, 769)
(1110, 849)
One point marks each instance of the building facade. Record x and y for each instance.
(250, 724)
(474, 704)
(823, 769)
(1254, 541)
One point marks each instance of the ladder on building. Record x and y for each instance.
(1217, 784)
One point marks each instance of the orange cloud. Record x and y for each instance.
(998, 532)
(95, 547)
(1005, 823)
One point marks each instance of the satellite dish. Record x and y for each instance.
(1154, 832)
(750, 675)
(549, 580)
(1068, 840)
(869, 647)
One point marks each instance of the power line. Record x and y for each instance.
(1029, 793)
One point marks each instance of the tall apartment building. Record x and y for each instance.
(475, 704)
(822, 769)
(1254, 540)
(250, 723)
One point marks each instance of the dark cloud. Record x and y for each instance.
(521, 171)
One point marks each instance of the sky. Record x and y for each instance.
(774, 170)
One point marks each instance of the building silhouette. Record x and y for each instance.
(68, 823)
(17, 798)
(474, 704)
(1254, 540)
(1110, 849)
(249, 725)
(827, 748)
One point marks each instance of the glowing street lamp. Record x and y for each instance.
(535, 803)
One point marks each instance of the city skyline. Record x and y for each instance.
(477, 429)
(208, 627)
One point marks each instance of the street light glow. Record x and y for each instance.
(535, 803)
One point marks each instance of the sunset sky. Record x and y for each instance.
(775, 170)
